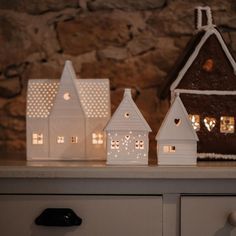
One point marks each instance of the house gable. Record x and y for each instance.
(67, 101)
(209, 67)
(127, 116)
(176, 125)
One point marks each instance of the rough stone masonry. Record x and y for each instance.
(135, 43)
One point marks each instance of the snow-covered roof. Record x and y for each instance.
(94, 95)
(127, 117)
(176, 125)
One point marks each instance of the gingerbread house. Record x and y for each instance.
(205, 79)
(66, 118)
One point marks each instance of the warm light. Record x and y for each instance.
(195, 120)
(208, 65)
(210, 123)
(60, 139)
(66, 96)
(168, 149)
(97, 138)
(115, 144)
(37, 138)
(74, 139)
(227, 124)
(139, 144)
(127, 115)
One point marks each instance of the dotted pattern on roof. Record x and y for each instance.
(94, 96)
(40, 98)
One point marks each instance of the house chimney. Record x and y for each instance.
(203, 17)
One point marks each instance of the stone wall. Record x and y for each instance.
(133, 42)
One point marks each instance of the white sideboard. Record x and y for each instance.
(151, 200)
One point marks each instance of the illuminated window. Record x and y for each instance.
(37, 138)
(60, 139)
(115, 144)
(177, 122)
(66, 96)
(208, 65)
(168, 149)
(97, 138)
(139, 144)
(209, 123)
(74, 139)
(127, 115)
(227, 124)
(195, 120)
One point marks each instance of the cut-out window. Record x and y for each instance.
(227, 124)
(66, 96)
(74, 139)
(208, 65)
(97, 138)
(60, 139)
(139, 144)
(210, 123)
(169, 149)
(115, 144)
(195, 120)
(177, 121)
(37, 138)
(127, 115)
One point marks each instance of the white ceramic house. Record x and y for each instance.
(176, 138)
(127, 134)
(66, 118)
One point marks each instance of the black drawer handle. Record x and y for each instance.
(58, 217)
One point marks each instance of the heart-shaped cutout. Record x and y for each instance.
(127, 137)
(209, 123)
(177, 121)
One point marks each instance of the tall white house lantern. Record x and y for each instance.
(176, 138)
(66, 118)
(127, 134)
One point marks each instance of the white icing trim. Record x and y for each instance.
(199, 16)
(204, 92)
(216, 156)
(189, 62)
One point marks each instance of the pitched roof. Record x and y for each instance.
(95, 97)
(40, 97)
(189, 55)
(176, 125)
(94, 94)
(127, 116)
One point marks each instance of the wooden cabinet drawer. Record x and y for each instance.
(207, 216)
(101, 215)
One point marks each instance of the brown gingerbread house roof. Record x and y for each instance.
(187, 74)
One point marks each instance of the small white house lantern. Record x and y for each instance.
(66, 118)
(176, 138)
(127, 134)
